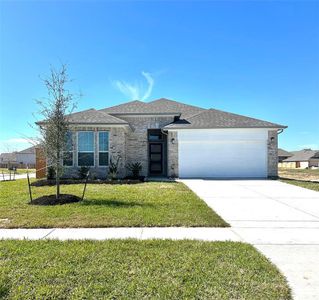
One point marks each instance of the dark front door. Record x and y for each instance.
(155, 158)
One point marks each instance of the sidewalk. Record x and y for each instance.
(17, 176)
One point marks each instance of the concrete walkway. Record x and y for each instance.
(279, 219)
(17, 176)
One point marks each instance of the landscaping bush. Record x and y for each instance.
(83, 171)
(113, 168)
(50, 173)
(135, 168)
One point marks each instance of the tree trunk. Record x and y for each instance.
(57, 181)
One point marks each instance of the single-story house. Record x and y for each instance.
(173, 139)
(20, 159)
(302, 159)
(283, 154)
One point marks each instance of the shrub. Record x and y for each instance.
(113, 167)
(83, 171)
(135, 168)
(50, 173)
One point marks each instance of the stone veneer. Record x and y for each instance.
(116, 149)
(172, 155)
(130, 144)
(137, 139)
(272, 147)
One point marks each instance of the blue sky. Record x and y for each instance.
(253, 58)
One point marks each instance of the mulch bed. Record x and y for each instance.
(51, 200)
(45, 182)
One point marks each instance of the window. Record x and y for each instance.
(68, 151)
(85, 148)
(103, 148)
(155, 135)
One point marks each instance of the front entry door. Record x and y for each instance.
(155, 158)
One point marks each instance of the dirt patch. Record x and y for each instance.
(51, 200)
(299, 174)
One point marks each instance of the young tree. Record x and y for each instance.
(54, 110)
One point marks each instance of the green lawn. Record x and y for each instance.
(131, 269)
(19, 171)
(145, 204)
(305, 184)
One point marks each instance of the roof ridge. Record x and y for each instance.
(78, 112)
(175, 101)
(113, 117)
(125, 103)
(238, 115)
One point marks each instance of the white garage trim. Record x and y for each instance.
(222, 153)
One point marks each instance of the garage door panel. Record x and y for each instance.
(222, 158)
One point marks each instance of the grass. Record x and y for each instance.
(18, 171)
(145, 204)
(299, 174)
(131, 269)
(305, 184)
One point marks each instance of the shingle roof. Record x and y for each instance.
(213, 118)
(166, 105)
(30, 150)
(159, 106)
(302, 155)
(91, 116)
(282, 152)
(135, 106)
(190, 116)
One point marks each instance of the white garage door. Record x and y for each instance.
(223, 153)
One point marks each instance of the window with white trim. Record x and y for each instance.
(68, 150)
(103, 148)
(86, 148)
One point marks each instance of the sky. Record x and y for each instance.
(256, 58)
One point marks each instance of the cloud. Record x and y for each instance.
(127, 89)
(150, 82)
(134, 90)
(15, 144)
(17, 140)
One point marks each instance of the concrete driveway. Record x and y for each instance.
(279, 219)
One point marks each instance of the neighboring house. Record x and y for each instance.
(26, 156)
(20, 159)
(302, 159)
(8, 159)
(172, 139)
(283, 154)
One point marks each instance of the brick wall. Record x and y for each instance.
(272, 153)
(137, 140)
(40, 163)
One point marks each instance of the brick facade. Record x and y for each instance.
(172, 155)
(130, 144)
(137, 140)
(272, 148)
(117, 140)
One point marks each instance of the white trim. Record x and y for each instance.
(98, 149)
(77, 148)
